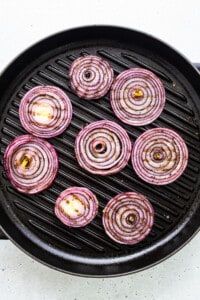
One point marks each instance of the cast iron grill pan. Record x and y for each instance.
(29, 219)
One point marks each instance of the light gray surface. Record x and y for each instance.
(23, 23)
(176, 278)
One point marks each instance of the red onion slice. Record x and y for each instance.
(45, 111)
(90, 77)
(128, 218)
(103, 148)
(159, 156)
(31, 164)
(137, 97)
(76, 207)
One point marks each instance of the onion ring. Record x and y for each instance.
(76, 207)
(31, 164)
(159, 156)
(128, 218)
(90, 77)
(103, 147)
(45, 111)
(137, 97)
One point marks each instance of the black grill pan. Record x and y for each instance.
(29, 220)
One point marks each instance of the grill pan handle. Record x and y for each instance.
(197, 65)
(2, 235)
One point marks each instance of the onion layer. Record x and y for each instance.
(159, 156)
(103, 148)
(76, 207)
(31, 164)
(128, 218)
(45, 111)
(90, 77)
(137, 97)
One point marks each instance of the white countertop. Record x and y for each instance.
(23, 23)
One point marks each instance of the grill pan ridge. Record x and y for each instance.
(29, 220)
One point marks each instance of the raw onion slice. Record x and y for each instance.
(137, 97)
(76, 207)
(31, 164)
(45, 111)
(103, 147)
(90, 77)
(128, 218)
(159, 156)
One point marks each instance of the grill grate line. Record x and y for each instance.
(63, 63)
(53, 234)
(180, 106)
(37, 202)
(176, 93)
(193, 168)
(43, 218)
(168, 110)
(82, 239)
(118, 60)
(57, 71)
(37, 81)
(177, 126)
(163, 218)
(138, 62)
(54, 80)
(65, 230)
(91, 179)
(154, 189)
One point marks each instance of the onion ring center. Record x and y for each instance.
(99, 147)
(159, 155)
(25, 161)
(71, 206)
(42, 113)
(137, 94)
(130, 219)
(87, 74)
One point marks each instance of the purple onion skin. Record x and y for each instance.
(31, 164)
(137, 97)
(128, 218)
(103, 148)
(90, 77)
(45, 111)
(76, 207)
(159, 156)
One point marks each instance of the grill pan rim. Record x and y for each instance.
(194, 228)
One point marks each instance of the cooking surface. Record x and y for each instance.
(179, 275)
(173, 203)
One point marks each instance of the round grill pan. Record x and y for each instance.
(29, 221)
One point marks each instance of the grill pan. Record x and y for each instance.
(29, 221)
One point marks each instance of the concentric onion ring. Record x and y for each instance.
(45, 111)
(128, 218)
(137, 97)
(90, 77)
(103, 148)
(31, 164)
(159, 156)
(76, 206)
